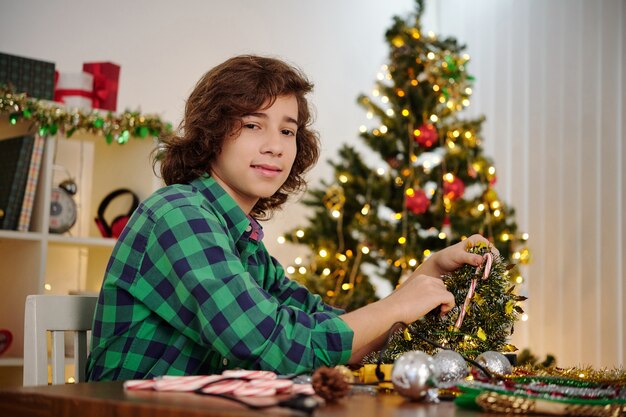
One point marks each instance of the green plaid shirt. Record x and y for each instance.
(191, 289)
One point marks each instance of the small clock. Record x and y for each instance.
(62, 207)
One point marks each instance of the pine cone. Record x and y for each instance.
(330, 384)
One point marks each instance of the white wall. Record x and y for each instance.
(550, 79)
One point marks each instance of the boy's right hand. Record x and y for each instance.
(418, 295)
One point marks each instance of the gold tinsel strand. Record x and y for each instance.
(50, 117)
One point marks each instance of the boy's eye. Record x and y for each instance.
(250, 125)
(288, 132)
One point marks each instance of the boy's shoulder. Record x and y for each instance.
(172, 197)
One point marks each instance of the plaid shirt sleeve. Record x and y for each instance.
(291, 293)
(192, 276)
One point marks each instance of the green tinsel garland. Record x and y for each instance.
(488, 322)
(50, 117)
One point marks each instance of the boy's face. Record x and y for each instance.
(256, 163)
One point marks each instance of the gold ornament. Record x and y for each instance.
(335, 198)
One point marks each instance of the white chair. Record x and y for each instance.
(57, 314)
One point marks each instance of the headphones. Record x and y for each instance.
(118, 224)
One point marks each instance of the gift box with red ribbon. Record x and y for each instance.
(105, 84)
(74, 89)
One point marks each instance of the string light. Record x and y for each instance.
(524, 317)
(380, 171)
(442, 235)
(383, 128)
(346, 286)
(341, 257)
(48, 287)
(426, 253)
(384, 99)
(525, 236)
(434, 118)
(336, 214)
(430, 55)
(405, 112)
(369, 114)
(365, 250)
(402, 240)
(343, 178)
(281, 240)
(323, 253)
(326, 272)
(375, 92)
(362, 128)
(291, 270)
(302, 270)
(297, 261)
(390, 112)
(412, 262)
(300, 233)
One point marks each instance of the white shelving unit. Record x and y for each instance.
(37, 261)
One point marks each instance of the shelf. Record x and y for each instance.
(12, 234)
(96, 242)
(7, 362)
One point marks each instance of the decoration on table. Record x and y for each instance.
(412, 375)
(544, 395)
(417, 201)
(31, 76)
(449, 368)
(236, 385)
(488, 316)
(495, 362)
(426, 135)
(330, 383)
(51, 118)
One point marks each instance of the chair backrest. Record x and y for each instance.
(57, 314)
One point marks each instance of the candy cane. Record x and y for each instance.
(487, 261)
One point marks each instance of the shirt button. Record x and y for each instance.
(249, 228)
(225, 362)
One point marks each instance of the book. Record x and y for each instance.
(31, 184)
(15, 156)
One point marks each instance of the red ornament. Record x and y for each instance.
(418, 203)
(426, 135)
(453, 189)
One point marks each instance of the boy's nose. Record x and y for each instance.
(273, 144)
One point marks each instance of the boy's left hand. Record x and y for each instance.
(455, 256)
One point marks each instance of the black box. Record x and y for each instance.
(26, 75)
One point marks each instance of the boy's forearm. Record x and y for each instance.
(371, 325)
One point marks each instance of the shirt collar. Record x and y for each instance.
(238, 222)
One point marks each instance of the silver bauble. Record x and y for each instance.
(495, 362)
(412, 374)
(449, 368)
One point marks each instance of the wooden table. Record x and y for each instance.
(109, 399)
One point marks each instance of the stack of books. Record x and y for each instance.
(20, 164)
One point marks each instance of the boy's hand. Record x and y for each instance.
(455, 256)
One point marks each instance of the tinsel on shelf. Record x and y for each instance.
(50, 117)
(433, 187)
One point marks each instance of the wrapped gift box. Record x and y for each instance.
(26, 75)
(74, 89)
(105, 84)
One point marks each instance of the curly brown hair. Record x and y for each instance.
(214, 111)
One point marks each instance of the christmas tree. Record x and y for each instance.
(432, 188)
